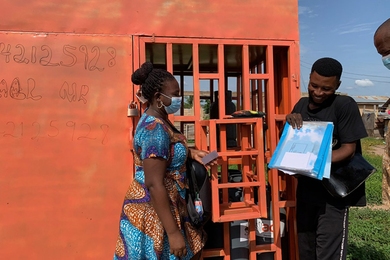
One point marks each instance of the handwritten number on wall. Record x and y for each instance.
(56, 129)
(105, 129)
(33, 54)
(5, 50)
(46, 60)
(19, 58)
(11, 129)
(112, 52)
(88, 57)
(87, 130)
(72, 125)
(44, 54)
(92, 64)
(67, 50)
(38, 130)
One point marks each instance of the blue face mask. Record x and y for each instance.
(174, 106)
(386, 61)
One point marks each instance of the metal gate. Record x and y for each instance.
(218, 77)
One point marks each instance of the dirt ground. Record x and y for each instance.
(377, 149)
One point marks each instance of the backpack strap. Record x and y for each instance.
(193, 177)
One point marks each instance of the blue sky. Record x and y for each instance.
(344, 29)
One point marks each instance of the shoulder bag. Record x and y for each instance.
(348, 176)
(198, 195)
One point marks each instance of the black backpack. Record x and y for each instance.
(199, 186)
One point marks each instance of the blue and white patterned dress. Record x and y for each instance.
(141, 234)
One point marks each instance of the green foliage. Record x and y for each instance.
(369, 227)
(206, 109)
(189, 101)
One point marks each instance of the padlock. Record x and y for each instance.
(132, 109)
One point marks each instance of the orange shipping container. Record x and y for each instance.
(65, 137)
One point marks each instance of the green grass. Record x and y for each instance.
(369, 228)
(369, 231)
(374, 183)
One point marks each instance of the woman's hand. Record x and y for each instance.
(177, 244)
(295, 120)
(199, 154)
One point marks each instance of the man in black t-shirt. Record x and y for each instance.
(322, 220)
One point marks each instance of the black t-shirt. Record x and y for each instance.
(348, 127)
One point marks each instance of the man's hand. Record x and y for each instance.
(295, 120)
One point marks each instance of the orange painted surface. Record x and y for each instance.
(64, 152)
(250, 19)
(65, 67)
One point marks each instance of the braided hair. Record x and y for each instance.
(151, 80)
(327, 67)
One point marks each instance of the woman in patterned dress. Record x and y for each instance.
(154, 221)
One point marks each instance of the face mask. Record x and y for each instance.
(174, 106)
(386, 61)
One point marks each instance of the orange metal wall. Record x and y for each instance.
(64, 88)
(254, 19)
(64, 157)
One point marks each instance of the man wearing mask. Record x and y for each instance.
(382, 44)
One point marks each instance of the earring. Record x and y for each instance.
(161, 104)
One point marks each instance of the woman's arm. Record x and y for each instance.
(155, 170)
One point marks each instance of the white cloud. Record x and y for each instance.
(364, 83)
(354, 28)
(304, 10)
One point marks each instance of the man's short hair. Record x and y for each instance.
(327, 67)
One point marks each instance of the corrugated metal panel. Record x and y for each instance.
(370, 99)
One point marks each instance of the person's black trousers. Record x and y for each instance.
(322, 231)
